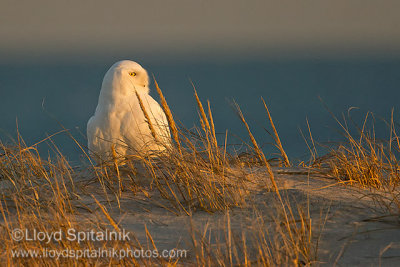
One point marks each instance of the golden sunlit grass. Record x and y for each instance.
(196, 173)
(39, 195)
(364, 160)
(260, 241)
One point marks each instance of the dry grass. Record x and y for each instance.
(196, 173)
(262, 239)
(366, 161)
(276, 137)
(40, 195)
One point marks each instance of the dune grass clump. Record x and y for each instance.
(47, 196)
(196, 172)
(363, 159)
(37, 196)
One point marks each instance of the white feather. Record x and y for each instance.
(120, 122)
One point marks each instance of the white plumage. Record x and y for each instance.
(119, 121)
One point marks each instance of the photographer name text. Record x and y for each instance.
(70, 234)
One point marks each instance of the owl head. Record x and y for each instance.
(125, 77)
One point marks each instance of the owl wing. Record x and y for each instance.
(92, 132)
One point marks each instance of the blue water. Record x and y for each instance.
(40, 95)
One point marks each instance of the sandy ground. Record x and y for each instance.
(355, 230)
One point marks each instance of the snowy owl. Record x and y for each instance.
(119, 123)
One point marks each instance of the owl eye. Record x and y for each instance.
(132, 73)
